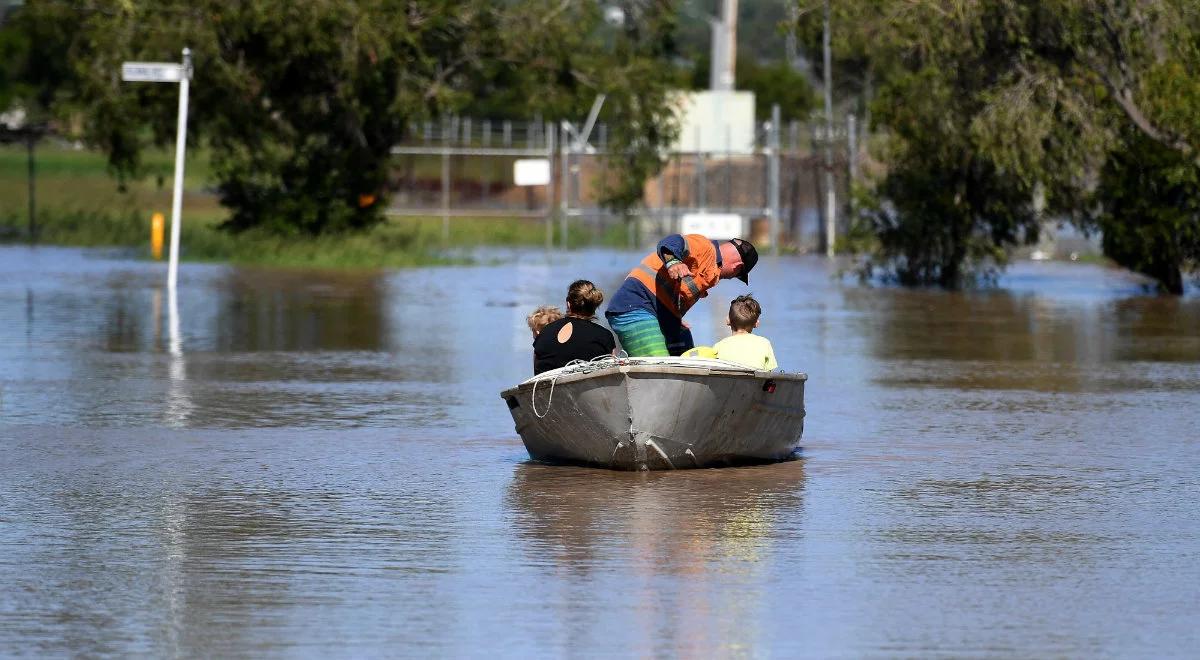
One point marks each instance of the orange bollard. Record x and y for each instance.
(156, 235)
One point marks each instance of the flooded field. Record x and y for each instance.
(296, 463)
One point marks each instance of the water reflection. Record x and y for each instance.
(135, 543)
(299, 310)
(179, 401)
(1002, 340)
(671, 545)
(1160, 329)
(105, 343)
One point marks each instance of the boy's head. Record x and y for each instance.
(743, 313)
(542, 317)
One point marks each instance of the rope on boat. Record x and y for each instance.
(533, 397)
(605, 361)
(572, 367)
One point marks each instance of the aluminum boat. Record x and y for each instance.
(659, 413)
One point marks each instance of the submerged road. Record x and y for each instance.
(306, 463)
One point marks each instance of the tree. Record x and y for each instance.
(945, 212)
(775, 83)
(1032, 94)
(33, 71)
(300, 103)
(1149, 210)
(1146, 202)
(555, 61)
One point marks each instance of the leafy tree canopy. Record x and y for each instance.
(301, 102)
(992, 99)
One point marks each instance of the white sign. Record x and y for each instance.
(720, 226)
(531, 172)
(151, 72)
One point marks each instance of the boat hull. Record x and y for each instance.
(638, 416)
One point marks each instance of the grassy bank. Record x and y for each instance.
(80, 204)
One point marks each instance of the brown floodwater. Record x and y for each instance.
(300, 463)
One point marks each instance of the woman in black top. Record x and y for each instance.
(575, 336)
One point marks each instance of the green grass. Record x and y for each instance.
(79, 204)
(396, 242)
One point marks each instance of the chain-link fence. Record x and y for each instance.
(464, 168)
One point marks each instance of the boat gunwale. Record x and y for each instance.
(658, 369)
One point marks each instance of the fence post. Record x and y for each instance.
(773, 177)
(852, 157)
(852, 146)
(564, 151)
(662, 198)
(29, 142)
(549, 196)
(728, 169)
(830, 193)
(445, 194)
(701, 200)
(818, 188)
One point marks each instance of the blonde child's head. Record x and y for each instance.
(542, 317)
(743, 313)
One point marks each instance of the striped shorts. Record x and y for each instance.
(641, 335)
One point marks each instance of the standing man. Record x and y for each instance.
(647, 311)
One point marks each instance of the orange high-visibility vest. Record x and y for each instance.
(678, 297)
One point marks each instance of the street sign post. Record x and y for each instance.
(169, 72)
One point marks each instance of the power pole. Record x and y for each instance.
(721, 75)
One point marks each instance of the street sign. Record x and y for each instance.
(169, 72)
(151, 72)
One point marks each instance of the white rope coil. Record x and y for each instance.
(606, 361)
(572, 367)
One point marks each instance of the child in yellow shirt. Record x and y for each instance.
(743, 347)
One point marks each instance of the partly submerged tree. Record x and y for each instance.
(301, 102)
(945, 213)
(985, 102)
(1148, 203)
(947, 209)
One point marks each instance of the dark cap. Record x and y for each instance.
(749, 257)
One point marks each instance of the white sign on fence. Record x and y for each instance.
(721, 226)
(531, 172)
(151, 72)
